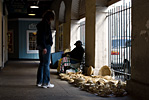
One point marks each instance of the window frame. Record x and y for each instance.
(27, 42)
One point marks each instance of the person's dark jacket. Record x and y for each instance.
(77, 53)
(44, 34)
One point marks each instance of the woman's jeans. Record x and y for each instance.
(43, 73)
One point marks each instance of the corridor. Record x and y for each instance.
(18, 82)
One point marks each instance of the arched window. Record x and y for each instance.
(77, 22)
(62, 12)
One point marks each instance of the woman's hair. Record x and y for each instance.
(48, 15)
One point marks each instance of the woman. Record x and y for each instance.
(44, 43)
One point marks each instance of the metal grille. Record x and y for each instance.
(119, 30)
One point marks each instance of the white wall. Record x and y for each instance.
(75, 33)
(5, 46)
(101, 39)
(53, 46)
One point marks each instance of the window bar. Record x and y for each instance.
(129, 37)
(125, 33)
(116, 33)
(129, 40)
(112, 36)
(116, 28)
(124, 28)
(111, 32)
(113, 19)
(121, 34)
(109, 40)
(120, 30)
(119, 38)
(126, 45)
(129, 46)
(117, 12)
(115, 43)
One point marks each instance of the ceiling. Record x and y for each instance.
(21, 8)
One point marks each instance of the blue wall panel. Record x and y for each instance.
(23, 27)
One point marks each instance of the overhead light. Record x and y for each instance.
(31, 14)
(34, 6)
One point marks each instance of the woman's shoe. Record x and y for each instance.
(39, 85)
(48, 86)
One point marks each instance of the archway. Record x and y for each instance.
(62, 12)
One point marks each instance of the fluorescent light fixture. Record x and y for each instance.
(31, 14)
(34, 6)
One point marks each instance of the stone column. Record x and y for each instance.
(67, 25)
(139, 83)
(1, 47)
(90, 33)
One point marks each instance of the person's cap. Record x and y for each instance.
(78, 42)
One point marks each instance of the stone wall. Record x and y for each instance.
(139, 83)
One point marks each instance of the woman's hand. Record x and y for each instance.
(44, 51)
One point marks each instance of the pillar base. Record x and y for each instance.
(138, 90)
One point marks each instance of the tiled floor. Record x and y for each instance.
(18, 78)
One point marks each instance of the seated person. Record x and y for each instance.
(76, 54)
(75, 57)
